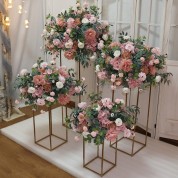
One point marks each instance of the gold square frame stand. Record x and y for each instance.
(133, 140)
(51, 134)
(101, 157)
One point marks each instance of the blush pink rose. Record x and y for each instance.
(126, 65)
(82, 105)
(39, 80)
(94, 133)
(101, 75)
(156, 51)
(40, 102)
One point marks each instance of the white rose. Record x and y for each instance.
(59, 84)
(23, 72)
(85, 20)
(93, 57)
(43, 65)
(97, 68)
(158, 79)
(117, 53)
(85, 134)
(125, 90)
(126, 37)
(35, 65)
(93, 19)
(52, 32)
(121, 75)
(105, 37)
(80, 45)
(118, 122)
(31, 90)
(69, 44)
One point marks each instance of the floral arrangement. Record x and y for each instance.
(47, 84)
(78, 32)
(131, 63)
(102, 119)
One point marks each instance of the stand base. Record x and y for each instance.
(133, 141)
(106, 163)
(50, 147)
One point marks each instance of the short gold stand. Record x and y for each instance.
(103, 170)
(50, 135)
(133, 152)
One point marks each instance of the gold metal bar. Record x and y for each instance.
(34, 126)
(98, 150)
(116, 153)
(83, 152)
(130, 94)
(98, 89)
(79, 67)
(148, 115)
(62, 115)
(113, 95)
(102, 159)
(60, 58)
(50, 127)
(126, 97)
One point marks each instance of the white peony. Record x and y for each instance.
(59, 84)
(69, 44)
(125, 90)
(97, 68)
(93, 57)
(118, 122)
(121, 75)
(43, 65)
(105, 37)
(31, 90)
(85, 20)
(158, 79)
(23, 72)
(35, 65)
(117, 53)
(81, 45)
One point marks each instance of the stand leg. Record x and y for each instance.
(50, 127)
(83, 153)
(102, 159)
(34, 126)
(79, 76)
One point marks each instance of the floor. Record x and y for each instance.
(158, 159)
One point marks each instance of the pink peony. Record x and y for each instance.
(63, 99)
(56, 42)
(115, 63)
(152, 70)
(107, 103)
(63, 71)
(69, 54)
(52, 93)
(101, 75)
(38, 92)
(156, 51)
(40, 102)
(61, 22)
(90, 35)
(82, 105)
(126, 65)
(129, 47)
(71, 23)
(39, 80)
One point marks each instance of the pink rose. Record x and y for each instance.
(129, 47)
(56, 42)
(156, 51)
(52, 93)
(126, 65)
(40, 102)
(127, 133)
(156, 61)
(81, 117)
(85, 129)
(63, 99)
(142, 76)
(78, 89)
(101, 75)
(82, 105)
(107, 103)
(142, 59)
(94, 133)
(115, 63)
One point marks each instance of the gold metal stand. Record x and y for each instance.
(133, 140)
(50, 135)
(103, 170)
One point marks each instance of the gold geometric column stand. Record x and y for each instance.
(133, 140)
(101, 169)
(50, 134)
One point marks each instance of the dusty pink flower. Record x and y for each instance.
(126, 65)
(72, 90)
(40, 102)
(38, 92)
(114, 44)
(61, 22)
(152, 70)
(50, 99)
(69, 54)
(115, 63)
(39, 80)
(63, 71)
(90, 35)
(133, 83)
(101, 75)
(82, 105)
(156, 51)
(91, 45)
(63, 99)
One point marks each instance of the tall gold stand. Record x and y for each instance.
(102, 160)
(133, 140)
(50, 135)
